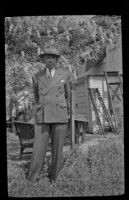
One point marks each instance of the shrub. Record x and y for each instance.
(106, 165)
(100, 171)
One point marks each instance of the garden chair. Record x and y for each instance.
(25, 132)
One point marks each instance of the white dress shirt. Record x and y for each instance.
(52, 72)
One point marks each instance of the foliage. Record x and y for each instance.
(19, 89)
(71, 34)
(77, 38)
(98, 172)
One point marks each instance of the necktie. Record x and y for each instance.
(50, 75)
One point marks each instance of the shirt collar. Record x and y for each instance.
(52, 71)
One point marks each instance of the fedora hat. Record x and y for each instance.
(49, 51)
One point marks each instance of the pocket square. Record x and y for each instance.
(62, 81)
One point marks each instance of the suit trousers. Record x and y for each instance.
(42, 132)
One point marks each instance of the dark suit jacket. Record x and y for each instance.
(51, 97)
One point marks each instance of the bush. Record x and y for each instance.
(100, 171)
(106, 165)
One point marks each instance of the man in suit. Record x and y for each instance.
(51, 94)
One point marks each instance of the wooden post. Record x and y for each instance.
(72, 113)
(87, 85)
(10, 111)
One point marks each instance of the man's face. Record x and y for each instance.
(50, 61)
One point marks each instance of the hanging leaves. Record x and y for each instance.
(70, 33)
(77, 38)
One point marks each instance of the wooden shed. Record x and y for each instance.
(91, 75)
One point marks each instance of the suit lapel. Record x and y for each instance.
(57, 76)
(44, 80)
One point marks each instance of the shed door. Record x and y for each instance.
(81, 99)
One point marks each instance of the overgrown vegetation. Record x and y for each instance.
(71, 34)
(98, 172)
(77, 38)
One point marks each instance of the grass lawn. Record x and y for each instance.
(96, 168)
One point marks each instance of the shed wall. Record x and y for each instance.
(100, 83)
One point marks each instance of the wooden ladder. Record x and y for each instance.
(92, 97)
(95, 92)
(110, 90)
(106, 113)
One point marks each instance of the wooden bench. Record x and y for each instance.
(25, 132)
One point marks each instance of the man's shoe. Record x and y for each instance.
(26, 174)
(51, 180)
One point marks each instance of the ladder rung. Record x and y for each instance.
(112, 72)
(114, 83)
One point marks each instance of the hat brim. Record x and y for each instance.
(44, 54)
